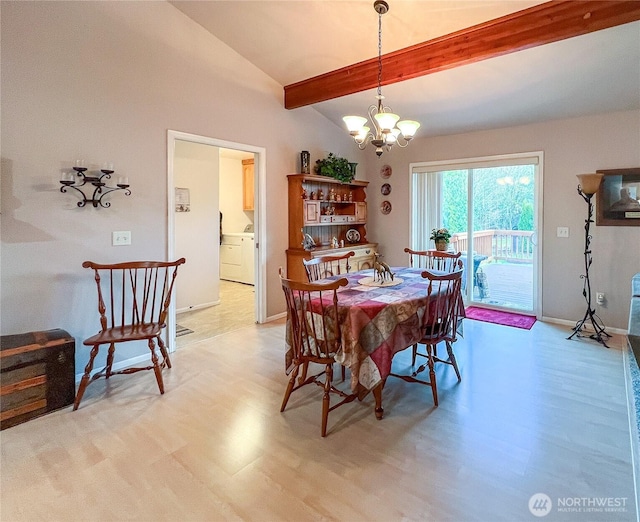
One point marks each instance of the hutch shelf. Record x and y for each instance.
(326, 208)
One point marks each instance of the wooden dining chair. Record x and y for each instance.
(325, 266)
(434, 260)
(442, 310)
(313, 335)
(133, 301)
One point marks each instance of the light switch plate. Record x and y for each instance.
(120, 238)
(563, 232)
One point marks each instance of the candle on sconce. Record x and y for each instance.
(123, 181)
(80, 163)
(67, 178)
(107, 167)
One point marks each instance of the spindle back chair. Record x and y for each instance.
(133, 302)
(325, 266)
(434, 260)
(313, 335)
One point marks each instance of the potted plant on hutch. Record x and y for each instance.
(335, 167)
(440, 237)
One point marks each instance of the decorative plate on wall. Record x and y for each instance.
(385, 171)
(385, 207)
(353, 236)
(385, 189)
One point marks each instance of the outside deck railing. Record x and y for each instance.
(508, 245)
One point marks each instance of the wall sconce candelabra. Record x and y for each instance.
(80, 178)
(587, 187)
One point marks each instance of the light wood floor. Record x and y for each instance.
(236, 310)
(534, 413)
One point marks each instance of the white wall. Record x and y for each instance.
(575, 146)
(234, 218)
(197, 235)
(108, 80)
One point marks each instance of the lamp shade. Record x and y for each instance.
(362, 133)
(408, 128)
(386, 121)
(392, 137)
(354, 123)
(589, 183)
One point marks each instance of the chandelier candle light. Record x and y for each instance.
(588, 186)
(388, 130)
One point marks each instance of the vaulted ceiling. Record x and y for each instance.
(294, 41)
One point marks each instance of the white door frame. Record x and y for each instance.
(260, 212)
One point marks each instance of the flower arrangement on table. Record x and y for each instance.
(441, 238)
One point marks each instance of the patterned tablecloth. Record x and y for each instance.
(378, 322)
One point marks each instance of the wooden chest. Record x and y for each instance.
(37, 375)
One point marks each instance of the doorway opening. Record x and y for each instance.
(492, 209)
(234, 311)
(205, 182)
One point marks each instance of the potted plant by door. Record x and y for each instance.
(440, 237)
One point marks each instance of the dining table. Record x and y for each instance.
(378, 319)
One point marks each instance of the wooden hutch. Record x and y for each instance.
(326, 208)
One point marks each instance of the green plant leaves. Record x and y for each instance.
(334, 167)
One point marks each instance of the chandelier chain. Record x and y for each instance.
(380, 54)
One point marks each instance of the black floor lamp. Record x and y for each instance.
(587, 187)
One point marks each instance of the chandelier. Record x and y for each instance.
(387, 129)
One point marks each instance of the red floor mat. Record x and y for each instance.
(498, 317)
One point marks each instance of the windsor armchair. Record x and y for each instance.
(133, 301)
(313, 332)
(443, 308)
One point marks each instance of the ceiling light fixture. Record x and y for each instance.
(388, 130)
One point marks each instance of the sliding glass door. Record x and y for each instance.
(490, 206)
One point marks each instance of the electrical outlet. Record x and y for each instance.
(600, 298)
(120, 238)
(562, 232)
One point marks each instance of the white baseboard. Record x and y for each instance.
(276, 317)
(198, 307)
(565, 322)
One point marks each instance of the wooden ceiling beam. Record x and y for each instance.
(538, 25)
